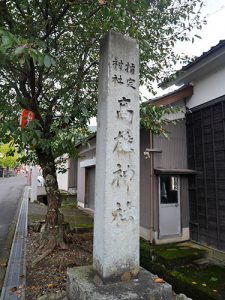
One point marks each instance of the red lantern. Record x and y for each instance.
(26, 117)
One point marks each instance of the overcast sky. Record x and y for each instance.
(211, 33)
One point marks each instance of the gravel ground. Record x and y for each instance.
(49, 275)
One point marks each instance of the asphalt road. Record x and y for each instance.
(11, 190)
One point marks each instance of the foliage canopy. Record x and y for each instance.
(49, 54)
(8, 156)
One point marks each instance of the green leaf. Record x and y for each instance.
(47, 61)
(34, 54)
(72, 45)
(53, 62)
(6, 41)
(85, 111)
(34, 142)
(66, 120)
(41, 60)
(213, 279)
(198, 36)
(19, 50)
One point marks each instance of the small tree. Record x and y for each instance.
(154, 117)
(8, 156)
(49, 54)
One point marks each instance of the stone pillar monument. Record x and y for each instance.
(115, 274)
(116, 227)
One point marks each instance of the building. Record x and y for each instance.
(182, 179)
(164, 176)
(206, 145)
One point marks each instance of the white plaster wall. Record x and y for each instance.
(208, 88)
(80, 182)
(62, 178)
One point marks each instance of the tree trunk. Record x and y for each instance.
(54, 226)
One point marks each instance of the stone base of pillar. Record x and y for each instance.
(82, 285)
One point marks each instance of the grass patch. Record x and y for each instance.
(85, 225)
(209, 280)
(74, 216)
(176, 254)
(69, 202)
(174, 262)
(36, 218)
(79, 220)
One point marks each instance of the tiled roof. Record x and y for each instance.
(204, 55)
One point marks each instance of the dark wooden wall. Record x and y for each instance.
(206, 154)
(174, 148)
(173, 156)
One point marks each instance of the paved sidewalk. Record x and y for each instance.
(14, 284)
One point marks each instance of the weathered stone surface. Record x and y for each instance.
(55, 296)
(126, 276)
(80, 286)
(182, 297)
(116, 228)
(202, 261)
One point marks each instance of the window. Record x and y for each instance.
(168, 189)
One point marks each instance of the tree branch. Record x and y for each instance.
(32, 78)
(7, 16)
(94, 12)
(22, 84)
(40, 6)
(62, 14)
(89, 67)
(17, 90)
(19, 9)
(39, 82)
(8, 79)
(55, 22)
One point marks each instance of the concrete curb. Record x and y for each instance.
(14, 283)
(10, 237)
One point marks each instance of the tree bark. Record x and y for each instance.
(54, 231)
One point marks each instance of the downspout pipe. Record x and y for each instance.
(152, 206)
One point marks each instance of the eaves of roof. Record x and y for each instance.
(172, 97)
(202, 65)
(90, 137)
